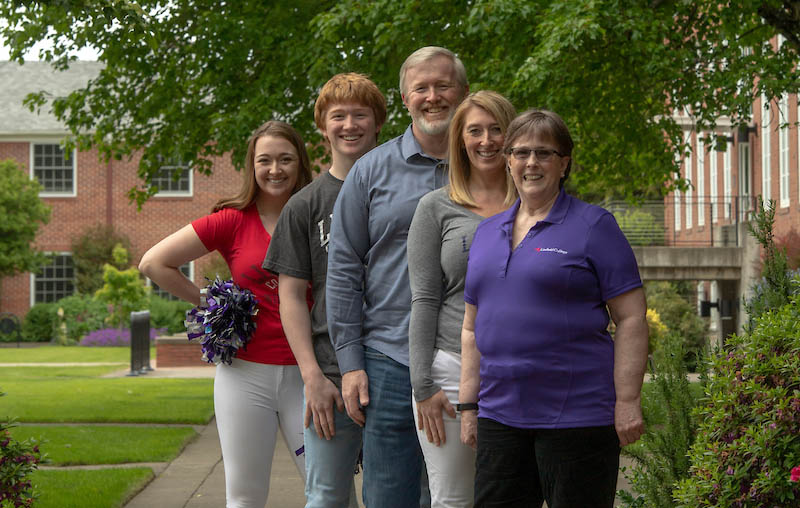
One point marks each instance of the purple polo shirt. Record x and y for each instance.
(547, 359)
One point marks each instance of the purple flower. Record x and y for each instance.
(730, 471)
(115, 337)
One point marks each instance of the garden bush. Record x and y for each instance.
(91, 251)
(749, 439)
(18, 459)
(82, 314)
(640, 227)
(168, 314)
(660, 457)
(747, 451)
(680, 317)
(115, 337)
(123, 290)
(40, 322)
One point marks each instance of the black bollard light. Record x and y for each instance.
(140, 343)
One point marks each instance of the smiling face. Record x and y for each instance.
(432, 95)
(276, 166)
(537, 182)
(483, 140)
(351, 129)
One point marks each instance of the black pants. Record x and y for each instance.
(568, 468)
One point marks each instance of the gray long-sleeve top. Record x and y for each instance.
(367, 291)
(438, 246)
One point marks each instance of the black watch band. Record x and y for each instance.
(467, 406)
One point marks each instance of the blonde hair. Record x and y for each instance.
(249, 189)
(350, 87)
(503, 112)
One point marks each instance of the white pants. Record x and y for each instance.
(451, 466)
(251, 401)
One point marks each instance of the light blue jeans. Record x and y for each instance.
(392, 456)
(330, 465)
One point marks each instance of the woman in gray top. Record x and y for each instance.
(438, 245)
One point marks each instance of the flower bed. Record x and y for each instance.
(115, 337)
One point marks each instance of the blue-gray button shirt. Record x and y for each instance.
(367, 290)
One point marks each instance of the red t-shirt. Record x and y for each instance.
(240, 237)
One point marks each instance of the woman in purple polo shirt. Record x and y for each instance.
(557, 395)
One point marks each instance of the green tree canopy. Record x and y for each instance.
(21, 214)
(190, 79)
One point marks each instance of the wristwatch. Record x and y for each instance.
(466, 406)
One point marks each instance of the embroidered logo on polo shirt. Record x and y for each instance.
(551, 249)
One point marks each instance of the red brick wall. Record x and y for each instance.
(184, 354)
(101, 198)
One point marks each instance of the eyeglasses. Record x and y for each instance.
(542, 154)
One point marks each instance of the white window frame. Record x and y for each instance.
(32, 278)
(688, 195)
(713, 184)
(783, 149)
(701, 180)
(32, 173)
(766, 156)
(726, 180)
(173, 193)
(190, 276)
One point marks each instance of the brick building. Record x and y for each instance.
(758, 160)
(83, 190)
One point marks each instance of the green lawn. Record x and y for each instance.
(71, 354)
(80, 395)
(112, 400)
(74, 445)
(102, 488)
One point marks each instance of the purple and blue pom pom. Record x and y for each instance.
(223, 321)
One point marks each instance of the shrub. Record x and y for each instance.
(660, 458)
(168, 314)
(18, 459)
(640, 227)
(40, 323)
(657, 329)
(680, 317)
(124, 290)
(91, 251)
(216, 266)
(115, 337)
(748, 444)
(790, 244)
(749, 438)
(775, 288)
(82, 314)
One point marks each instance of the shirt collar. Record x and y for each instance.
(556, 215)
(409, 147)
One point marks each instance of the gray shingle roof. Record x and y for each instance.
(17, 81)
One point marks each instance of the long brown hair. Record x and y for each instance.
(503, 112)
(247, 194)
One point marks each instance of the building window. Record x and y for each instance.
(54, 281)
(688, 195)
(726, 180)
(173, 183)
(54, 168)
(186, 269)
(713, 182)
(783, 148)
(766, 156)
(701, 180)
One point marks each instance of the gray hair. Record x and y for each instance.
(429, 53)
